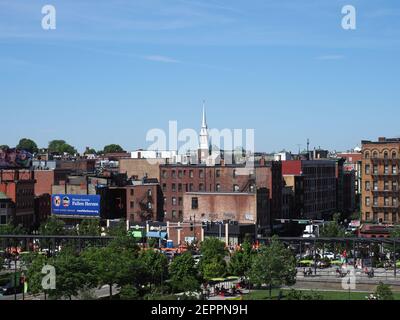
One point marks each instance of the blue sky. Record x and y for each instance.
(112, 70)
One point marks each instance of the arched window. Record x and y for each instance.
(386, 155)
(394, 155)
(375, 155)
(366, 155)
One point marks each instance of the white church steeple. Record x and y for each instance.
(203, 138)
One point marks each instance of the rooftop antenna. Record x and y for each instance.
(308, 145)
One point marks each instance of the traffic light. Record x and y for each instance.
(191, 226)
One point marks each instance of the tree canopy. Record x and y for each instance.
(61, 147)
(28, 145)
(274, 265)
(212, 263)
(113, 148)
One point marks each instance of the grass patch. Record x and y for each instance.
(327, 295)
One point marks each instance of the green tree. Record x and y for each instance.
(11, 229)
(72, 274)
(4, 147)
(89, 227)
(108, 266)
(52, 226)
(183, 274)
(274, 266)
(113, 148)
(35, 263)
(241, 261)
(61, 147)
(28, 145)
(212, 263)
(156, 265)
(333, 229)
(384, 292)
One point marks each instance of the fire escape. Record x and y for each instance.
(146, 207)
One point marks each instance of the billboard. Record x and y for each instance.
(15, 159)
(75, 205)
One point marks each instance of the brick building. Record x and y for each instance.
(177, 179)
(380, 192)
(140, 168)
(144, 202)
(18, 185)
(319, 186)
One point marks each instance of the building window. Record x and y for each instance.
(132, 192)
(394, 202)
(180, 187)
(367, 201)
(375, 169)
(164, 187)
(394, 169)
(394, 217)
(386, 216)
(375, 201)
(375, 217)
(375, 155)
(173, 187)
(394, 155)
(3, 219)
(386, 186)
(375, 185)
(367, 186)
(191, 187)
(366, 155)
(132, 204)
(165, 200)
(164, 174)
(201, 174)
(180, 174)
(180, 214)
(386, 169)
(218, 173)
(367, 216)
(201, 187)
(195, 203)
(180, 201)
(386, 201)
(149, 205)
(367, 169)
(173, 201)
(252, 188)
(235, 188)
(394, 185)
(218, 187)
(234, 173)
(386, 155)
(191, 173)
(173, 174)
(173, 213)
(149, 192)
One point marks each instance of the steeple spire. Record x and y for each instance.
(204, 122)
(203, 137)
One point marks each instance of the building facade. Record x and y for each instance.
(380, 192)
(319, 186)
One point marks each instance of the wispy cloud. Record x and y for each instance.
(163, 59)
(331, 57)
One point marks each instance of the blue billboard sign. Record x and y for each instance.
(75, 205)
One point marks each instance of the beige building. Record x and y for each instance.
(218, 206)
(140, 168)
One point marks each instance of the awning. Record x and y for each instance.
(156, 234)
